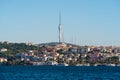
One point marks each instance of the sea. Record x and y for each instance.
(59, 73)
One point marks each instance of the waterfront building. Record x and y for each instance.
(3, 60)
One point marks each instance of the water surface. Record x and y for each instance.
(59, 73)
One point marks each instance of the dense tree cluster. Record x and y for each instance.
(13, 48)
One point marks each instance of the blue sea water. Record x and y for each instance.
(59, 73)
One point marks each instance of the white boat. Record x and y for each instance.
(79, 64)
(62, 64)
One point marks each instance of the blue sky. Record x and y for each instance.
(84, 22)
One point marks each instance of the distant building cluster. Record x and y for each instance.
(62, 54)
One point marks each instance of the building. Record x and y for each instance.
(3, 60)
(3, 50)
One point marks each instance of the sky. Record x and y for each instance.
(84, 22)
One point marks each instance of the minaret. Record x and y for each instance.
(60, 29)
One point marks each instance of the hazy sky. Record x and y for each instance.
(84, 22)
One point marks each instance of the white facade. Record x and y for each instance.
(3, 50)
(3, 60)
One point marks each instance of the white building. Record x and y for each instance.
(3, 60)
(3, 50)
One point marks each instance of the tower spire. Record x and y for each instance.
(59, 17)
